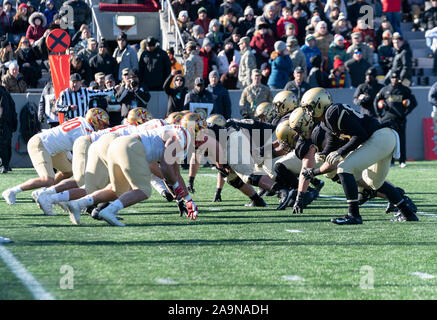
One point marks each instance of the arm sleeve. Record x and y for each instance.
(61, 105)
(167, 84)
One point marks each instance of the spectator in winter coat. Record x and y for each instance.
(331, 4)
(263, 42)
(103, 61)
(20, 23)
(355, 66)
(214, 35)
(281, 66)
(90, 50)
(125, 56)
(253, 95)
(323, 38)
(180, 5)
(132, 94)
(193, 65)
(198, 95)
(228, 17)
(13, 81)
(9, 123)
(317, 77)
(176, 95)
(402, 61)
(429, 18)
(5, 23)
(354, 11)
(298, 86)
(310, 49)
(154, 66)
(367, 34)
(230, 78)
(50, 11)
(385, 25)
(202, 19)
(222, 102)
(78, 65)
(247, 63)
(337, 49)
(386, 53)
(357, 43)
(247, 22)
(296, 55)
(266, 70)
(342, 26)
(301, 24)
(339, 77)
(174, 64)
(271, 19)
(81, 13)
(226, 56)
(27, 60)
(235, 6)
(9, 10)
(284, 21)
(209, 59)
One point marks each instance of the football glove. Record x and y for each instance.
(299, 203)
(190, 188)
(333, 157)
(308, 173)
(182, 209)
(218, 196)
(320, 158)
(192, 210)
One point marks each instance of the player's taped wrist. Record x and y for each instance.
(178, 190)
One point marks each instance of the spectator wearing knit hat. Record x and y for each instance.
(247, 22)
(199, 4)
(281, 66)
(222, 102)
(209, 59)
(125, 56)
(226, 56)
(50, 11)
(339, 77)
(234, 5)
(317, 77)
(342, 26)
(180, 5)
(337, 48)
(183, 21)
(202, 19)
(385, 25)
(230, 78)
(198, 35)
(20, 23)
(215, 35)
(266, 70)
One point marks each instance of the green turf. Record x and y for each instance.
(230, 252)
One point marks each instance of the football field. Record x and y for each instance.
(229, 252)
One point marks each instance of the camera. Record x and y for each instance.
(133, 83)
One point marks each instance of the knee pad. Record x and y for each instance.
(236, 183)
(254, 180)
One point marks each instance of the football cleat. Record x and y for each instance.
(286, 198)
(74, 211)
(45, 203)
(109, 214)
(63, 206)
(256, 203)
(36, 193)
(9, 196)
(318, 184)
(401, 218)
(347, 219)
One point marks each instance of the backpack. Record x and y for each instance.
(29, 124)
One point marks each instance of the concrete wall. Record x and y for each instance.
(158, 107)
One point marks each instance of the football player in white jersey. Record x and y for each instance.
(70, 189)
(130, 175)
(47, 150)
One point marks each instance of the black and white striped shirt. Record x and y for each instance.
(80, 98)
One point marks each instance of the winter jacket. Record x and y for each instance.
(323, 42)
(280, 26)
(247, 64)
(106, 64)
(335, 50)
(154, 68)
(261, 43)
(193, 69)
(223, 63)
(281, 70)
(14, 85)
(222, 102)
(309, 52)
(176, 96)
(126, 58)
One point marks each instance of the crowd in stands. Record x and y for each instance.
(252, 45)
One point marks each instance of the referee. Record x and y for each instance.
(74, 101)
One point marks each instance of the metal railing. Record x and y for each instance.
(172, 26)
(95, 27)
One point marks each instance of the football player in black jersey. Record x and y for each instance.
(368, 151)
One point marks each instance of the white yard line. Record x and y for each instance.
(422, 275)
(166, 281)
(293, 278)
(24, 276)
(293, 231)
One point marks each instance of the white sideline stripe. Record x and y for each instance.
(377, 205)
(24, 276)
(214, 209)
(293, 278)
(166, 281)
(422, 275)
(293, 231)
(209, 175)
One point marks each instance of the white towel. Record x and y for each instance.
(397, 152)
